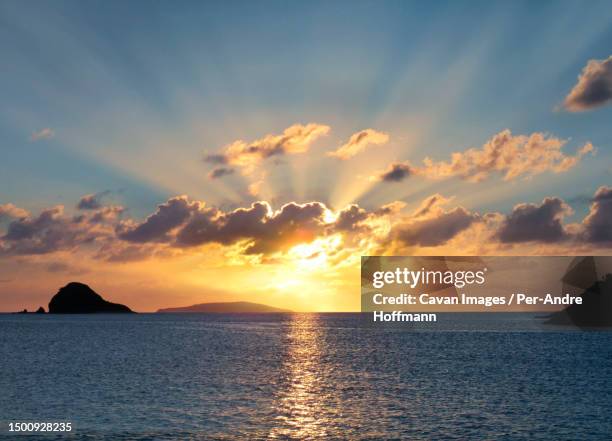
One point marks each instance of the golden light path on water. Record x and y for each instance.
(302, 405)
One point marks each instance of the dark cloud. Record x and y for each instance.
(156, 227)
(219, 172)
(48, 232)
(537, 223)
(396, 172)
(435, 230)
(594, 87)
(27, 228)
(225, 228)
(350, 218)
(216, 158)
(91, 201)
(265, 230)
(598, 224)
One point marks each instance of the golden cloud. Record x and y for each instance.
(358, 142)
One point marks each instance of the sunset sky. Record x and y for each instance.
(172, 153)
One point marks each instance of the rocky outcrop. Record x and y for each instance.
(78, 298)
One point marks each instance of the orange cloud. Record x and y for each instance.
(358, 142)
(12, 211)
(506, 154)
(247, 155)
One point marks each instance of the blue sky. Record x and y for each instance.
(124, 84)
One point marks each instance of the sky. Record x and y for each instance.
(172, 153)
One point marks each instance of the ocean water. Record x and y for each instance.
(304, 376)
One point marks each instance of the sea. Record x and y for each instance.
(493, 376)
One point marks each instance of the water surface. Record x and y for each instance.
(305, 376)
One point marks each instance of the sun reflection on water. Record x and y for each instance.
(301, 405)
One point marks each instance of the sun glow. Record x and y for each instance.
(314, 255)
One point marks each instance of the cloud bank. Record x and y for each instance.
(182, 225)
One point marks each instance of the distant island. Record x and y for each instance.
(226, 307)
(78, 298)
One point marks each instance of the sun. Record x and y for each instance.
(314, 255)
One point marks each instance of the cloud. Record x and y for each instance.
(216, 158)
(247, 155)
(431, 204)
(351, 218)
(105, 214)
(9, 210)
(91, 201)
(156, 227)
(46, 133)
(436, 230)
(358, 142)
(257, 229)
(506, 154)
(265, 230)
(48, 232)
(391, 208)
(594, 87)
(180, 225)
(432, 225)
(597, 226)
(219, 172)
(539, 223)
(396, 172)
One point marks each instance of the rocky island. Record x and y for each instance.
(78, 298)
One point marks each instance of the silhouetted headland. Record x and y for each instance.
(78, 298)
(226, 307)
